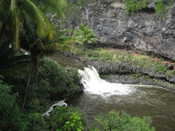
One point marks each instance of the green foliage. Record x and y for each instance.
(67, 37)
(11, 117)
(36, 122)
(61, 119)
(94, 129)
(56, 82)
(135, 5)
(19, 14)
(66, 119)
(24, 24)
(84, 35)
(53, 82)
(123, 122)
(43, 27)
(64, 40)
(160, 7)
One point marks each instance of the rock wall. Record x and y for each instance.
(143, 31)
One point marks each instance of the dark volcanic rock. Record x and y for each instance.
(107, 68)
(143, 30)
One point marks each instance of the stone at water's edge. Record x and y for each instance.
(51, 108)
(125, 68)
(142, 31)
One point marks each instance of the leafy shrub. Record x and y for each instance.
(10, 115)
(84, 35)
(36, 122)
(65, 40)
(68, 37)
(160, 7)
(57, 82)
(135, 5)
(61, 119)
(123, 122)
(66, 119)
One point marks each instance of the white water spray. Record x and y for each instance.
(93, 84)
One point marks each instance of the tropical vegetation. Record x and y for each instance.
(160, 7)
(30, 80)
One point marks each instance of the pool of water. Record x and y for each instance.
(101, 97)
(157, 103)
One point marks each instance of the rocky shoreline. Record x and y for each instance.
(119, 71)
(124, 68)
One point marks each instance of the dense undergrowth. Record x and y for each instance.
(58, 81)
(53, 83)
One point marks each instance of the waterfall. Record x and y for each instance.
(93, 84)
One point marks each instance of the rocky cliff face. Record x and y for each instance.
(143, 31)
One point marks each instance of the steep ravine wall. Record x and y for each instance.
(143, 31)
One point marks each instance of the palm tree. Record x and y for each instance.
(23, 25)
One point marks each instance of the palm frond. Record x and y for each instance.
(56, 6)
(44, 28)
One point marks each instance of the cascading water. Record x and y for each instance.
(100, 97)
(93, 84)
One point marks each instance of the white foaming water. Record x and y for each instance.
(93, 84)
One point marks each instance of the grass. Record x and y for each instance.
(161, 7)
(133, 6)
(120, 56)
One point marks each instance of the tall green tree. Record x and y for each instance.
(24, 25)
